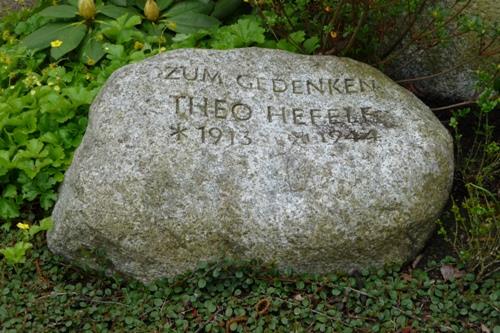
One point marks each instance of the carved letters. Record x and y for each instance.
(327, 125)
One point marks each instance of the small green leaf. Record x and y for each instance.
(311, 44)
(10, 191)
(202, 283)
(79, 95)
(245, 32)
(34, 147)
(16, 254)
(8, 209)
(61, 11)
(47, 200)
(45, 225)
(133, 21)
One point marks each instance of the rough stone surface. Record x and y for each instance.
(456, 62)
(310, 162)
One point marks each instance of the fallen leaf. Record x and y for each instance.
(406, 277)
(449, 272)
(416, 261)
(485, 329)
(406, 330)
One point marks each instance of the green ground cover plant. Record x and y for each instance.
(47, 85)
(47, 295)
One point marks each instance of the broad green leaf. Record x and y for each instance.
(189, 6)
(61, 11)
(191, 22)
(163, 4)
(224, 8)
(8, 209)
(41, 38)
(92, 51)
(71, 38)
(115, 11)
(122, 3)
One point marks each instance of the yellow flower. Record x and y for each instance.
(5, 34)
(23, 226)
(138, 45)
(56, 43)
(151, 10)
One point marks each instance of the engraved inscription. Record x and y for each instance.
(210, 135)
(215, 108)
(302, 125)
(192, 74)
(321, 86)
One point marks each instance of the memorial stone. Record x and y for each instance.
(315, 163)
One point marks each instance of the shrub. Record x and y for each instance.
(475, 233)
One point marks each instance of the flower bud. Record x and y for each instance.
(151, 10)
(86, 9)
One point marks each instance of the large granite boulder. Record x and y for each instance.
(311, 162)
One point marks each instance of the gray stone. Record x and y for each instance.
(450, 68)
(311, 162)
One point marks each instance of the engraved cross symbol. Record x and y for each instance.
(178, 131)
(298, 137)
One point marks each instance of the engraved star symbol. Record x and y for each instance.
(178, 131)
